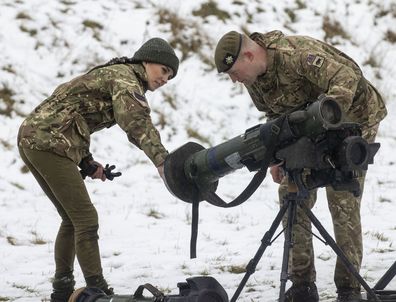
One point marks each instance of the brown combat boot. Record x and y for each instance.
(302, 292)
(348, 294)
(99, 282)
(63, 287)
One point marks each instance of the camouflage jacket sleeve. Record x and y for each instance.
(335, 78)
(132, 114)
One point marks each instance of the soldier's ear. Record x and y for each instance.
(248, 55)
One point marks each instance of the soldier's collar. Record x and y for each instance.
(141, 74)
(268, 42)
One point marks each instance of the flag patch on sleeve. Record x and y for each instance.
(315, 60)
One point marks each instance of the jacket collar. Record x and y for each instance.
(141, 74)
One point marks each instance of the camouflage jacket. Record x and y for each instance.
(301, 68)
(100, 98)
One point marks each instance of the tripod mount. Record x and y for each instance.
(296, 197)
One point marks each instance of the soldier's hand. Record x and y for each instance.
(277, 174)
(99, 173)
(161, 171)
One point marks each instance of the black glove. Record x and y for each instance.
(91, 169)
(87, 167)
(110, 175)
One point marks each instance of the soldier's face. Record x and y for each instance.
(242, 71)
(157, 75)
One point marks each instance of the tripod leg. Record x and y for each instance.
(326, 236)
(386, 278)
(288, 244)
(265, 242)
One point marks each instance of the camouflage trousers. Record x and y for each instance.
(61, 181)
(345, 213)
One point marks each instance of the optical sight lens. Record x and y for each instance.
(358, 154)
(331, 111)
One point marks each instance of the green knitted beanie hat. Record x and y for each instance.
(157, 50)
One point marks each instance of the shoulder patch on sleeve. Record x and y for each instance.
(140, 98)
(315, 60)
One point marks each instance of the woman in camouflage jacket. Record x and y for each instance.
(54, 139)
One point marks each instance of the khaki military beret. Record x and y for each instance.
(227, 50)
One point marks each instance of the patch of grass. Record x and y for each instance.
(23, 15)
(38, 240)
(18, 186)
(6, 94)
(96, 27)
(383, 199)
(188, 44)
(292, 15)
(333, 28)
(390, 36)
(383, 250)
(210, 8)
(11, 240)
(384, 12)
(155, 214)
(5, 298)
(92, 24)
(230, 219)
(205, 272)
(195, 134)
(260, 10)
(31, 32)
(9, 68)
(170, 98)
(380, 236)
(233, 269)
(301, 4)
(24, 287)
(24, 169)
(161, 123)
(372, 61)
(165, 290)
(223, 242)
(6, 144)
(67, 2)
(188, 217)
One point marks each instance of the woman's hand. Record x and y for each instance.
(160, 169)
(99, 173)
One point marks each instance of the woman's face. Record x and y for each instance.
(157, 75)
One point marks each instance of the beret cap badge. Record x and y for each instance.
(227, 51)
(229, 59)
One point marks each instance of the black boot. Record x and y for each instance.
(302, 292)
(348, 294)
(63, 287)
(99, 282)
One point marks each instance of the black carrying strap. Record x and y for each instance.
(217, 201)
(194, 229)
(271, 143)
(159, 296)
(256, 181)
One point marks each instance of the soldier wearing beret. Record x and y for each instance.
(282, 73)
(54, 140)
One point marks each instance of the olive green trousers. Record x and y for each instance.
(61, 181)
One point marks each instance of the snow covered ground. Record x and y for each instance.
(144, 230)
